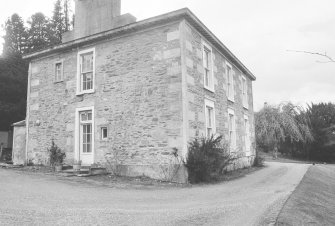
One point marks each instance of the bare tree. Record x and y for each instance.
(329, 59)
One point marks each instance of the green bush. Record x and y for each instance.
(207, 159)
(56, 155)
(259, 160)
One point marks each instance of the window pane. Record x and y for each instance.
(83, 117)
(87, 62)
(87, 80)
(89, 115)
(103, 133)
(207, 77)
(209, 115)
(89, 148)
(209, 132)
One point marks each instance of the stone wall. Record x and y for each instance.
(137, 97)
(19, 145)
(196, 94)
(149, 93)
(4, 138)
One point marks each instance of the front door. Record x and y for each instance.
(86, 137)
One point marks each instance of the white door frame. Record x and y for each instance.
(77, 133)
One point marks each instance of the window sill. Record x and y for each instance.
(85, 92)
(58, 81)
(245, 107)
(231, 100)
(209, 89)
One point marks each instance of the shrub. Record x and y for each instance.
(259, 160)
(56, 155)
(207, 159)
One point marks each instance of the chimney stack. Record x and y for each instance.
(95, 16)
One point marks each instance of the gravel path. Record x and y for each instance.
(28, 199)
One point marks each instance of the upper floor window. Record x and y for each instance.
(230, 82)
(208, 67)
(210, 118)
(231, 129)
(59, 71)
(245, 92)
(86, 69)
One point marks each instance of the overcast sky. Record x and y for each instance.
(258, 32)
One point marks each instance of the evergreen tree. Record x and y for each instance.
(67, 16)
(58, 23)
(16, 36)
(13, 90)
(40, 32)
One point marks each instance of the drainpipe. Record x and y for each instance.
(27, 113)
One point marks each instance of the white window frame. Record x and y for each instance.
(102, 133)
(211, 104)
(247, 141)
(233, 144)
(205, 47)
(61, 77)
(77, 131)
(79, 85)
(230, 83)
(244, 92)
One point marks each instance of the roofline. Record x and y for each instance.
(180, 14)
(20, 123)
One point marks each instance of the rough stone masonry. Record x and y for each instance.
(148, 93)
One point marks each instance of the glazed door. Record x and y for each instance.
(86, 137)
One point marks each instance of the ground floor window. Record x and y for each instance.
(232, 129)
(210, 118)
(247, 135)
(104, 133)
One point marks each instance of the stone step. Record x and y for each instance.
(81, 171)
(85, 171)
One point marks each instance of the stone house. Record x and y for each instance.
(116, 87)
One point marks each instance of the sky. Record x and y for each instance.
(258, 32)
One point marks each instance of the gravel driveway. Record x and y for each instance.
(29, 199)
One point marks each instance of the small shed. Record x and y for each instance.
(19, 143)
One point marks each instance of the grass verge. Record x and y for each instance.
(313, 201)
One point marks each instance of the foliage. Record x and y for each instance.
(40, 32)
(171, 169)
(207, 159)
(284, 123)
(60, 22)
(56, 155)
(13, 90)
(16, 36)
(307, 134)
(259, 160)
(19, 40)
(322, 118)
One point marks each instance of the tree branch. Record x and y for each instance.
(331, 60)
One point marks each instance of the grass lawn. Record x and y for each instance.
(313, 201)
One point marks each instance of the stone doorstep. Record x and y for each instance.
(85, 171)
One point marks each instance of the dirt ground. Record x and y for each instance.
(38, 199)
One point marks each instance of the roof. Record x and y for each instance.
(184, 13)
(19, 124)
